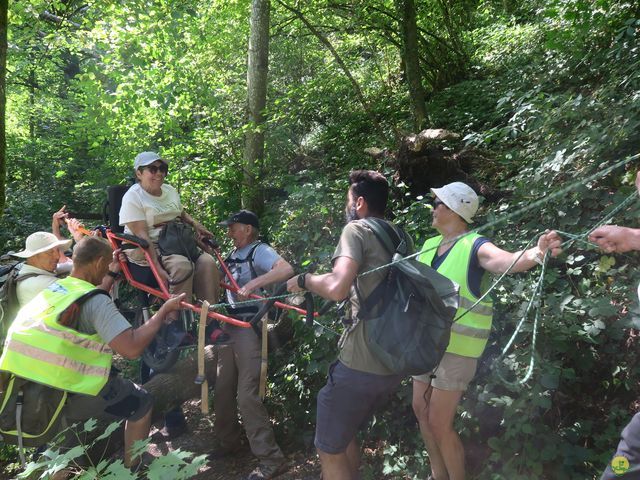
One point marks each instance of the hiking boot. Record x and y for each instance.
(218, 337)
(219, 451)
(265, 472)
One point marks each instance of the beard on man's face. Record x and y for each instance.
(350, 214)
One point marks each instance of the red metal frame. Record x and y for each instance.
(164, 293)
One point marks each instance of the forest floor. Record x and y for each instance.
(201, 437)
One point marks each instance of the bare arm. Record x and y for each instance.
(612, 238)
(496, 260)
(114, 267)
(281, 271)
(141, 229)
(332, 286)
(198, 227)
(74, 228)
(56, 220)
(132, 342)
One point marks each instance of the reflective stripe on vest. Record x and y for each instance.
(469, 334)
(38, 348)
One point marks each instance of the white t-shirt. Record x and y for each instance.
(138, 205)
(27, 289)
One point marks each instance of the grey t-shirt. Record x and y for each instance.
(100, 315)
(264, 258)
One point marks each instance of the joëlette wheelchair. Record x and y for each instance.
(164, 350)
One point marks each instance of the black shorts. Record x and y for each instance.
(119, 399)
(346, 403)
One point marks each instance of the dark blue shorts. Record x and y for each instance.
(346, 403)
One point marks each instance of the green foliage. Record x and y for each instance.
(175, 464)
(547, 90)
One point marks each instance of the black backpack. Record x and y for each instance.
(409, 314)
(251, 309)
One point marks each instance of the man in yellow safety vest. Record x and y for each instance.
(65, 338)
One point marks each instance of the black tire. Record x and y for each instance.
(157, 355)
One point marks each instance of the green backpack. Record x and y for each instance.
(30, 413)
(9, 279)
(409, 314)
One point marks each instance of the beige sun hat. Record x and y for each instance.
(460, 198)
(39, 242)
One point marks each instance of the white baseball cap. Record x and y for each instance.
(147, 158)
(460, 198)
(39, 242)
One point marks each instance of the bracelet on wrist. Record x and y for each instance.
(302, 278)
(114, 275)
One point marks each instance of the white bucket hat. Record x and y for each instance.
(39, 242)
(460, 198)
(147, 158)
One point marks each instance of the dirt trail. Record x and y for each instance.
(200, 438)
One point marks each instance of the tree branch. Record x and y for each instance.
(325, 41)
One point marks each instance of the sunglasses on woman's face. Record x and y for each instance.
(155, 168)
(437, 202)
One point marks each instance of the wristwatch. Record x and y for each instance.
(114, 275)
(301, 280)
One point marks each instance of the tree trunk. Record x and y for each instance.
(4, 7)
(411, 61)
(169, 390)
(258, 65)
(176, 386)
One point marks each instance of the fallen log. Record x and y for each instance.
(171, 389)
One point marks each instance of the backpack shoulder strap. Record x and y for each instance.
(393, 243)
(91, 293)
(250, 258)
(387, 235)
(20, 278)
(69, 316)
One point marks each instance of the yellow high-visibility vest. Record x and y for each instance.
(470, 333)
(38, 348)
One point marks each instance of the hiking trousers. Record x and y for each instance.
(236, 389)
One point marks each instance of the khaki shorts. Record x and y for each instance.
(454, 373)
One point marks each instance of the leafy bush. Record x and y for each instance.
(176, 464)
